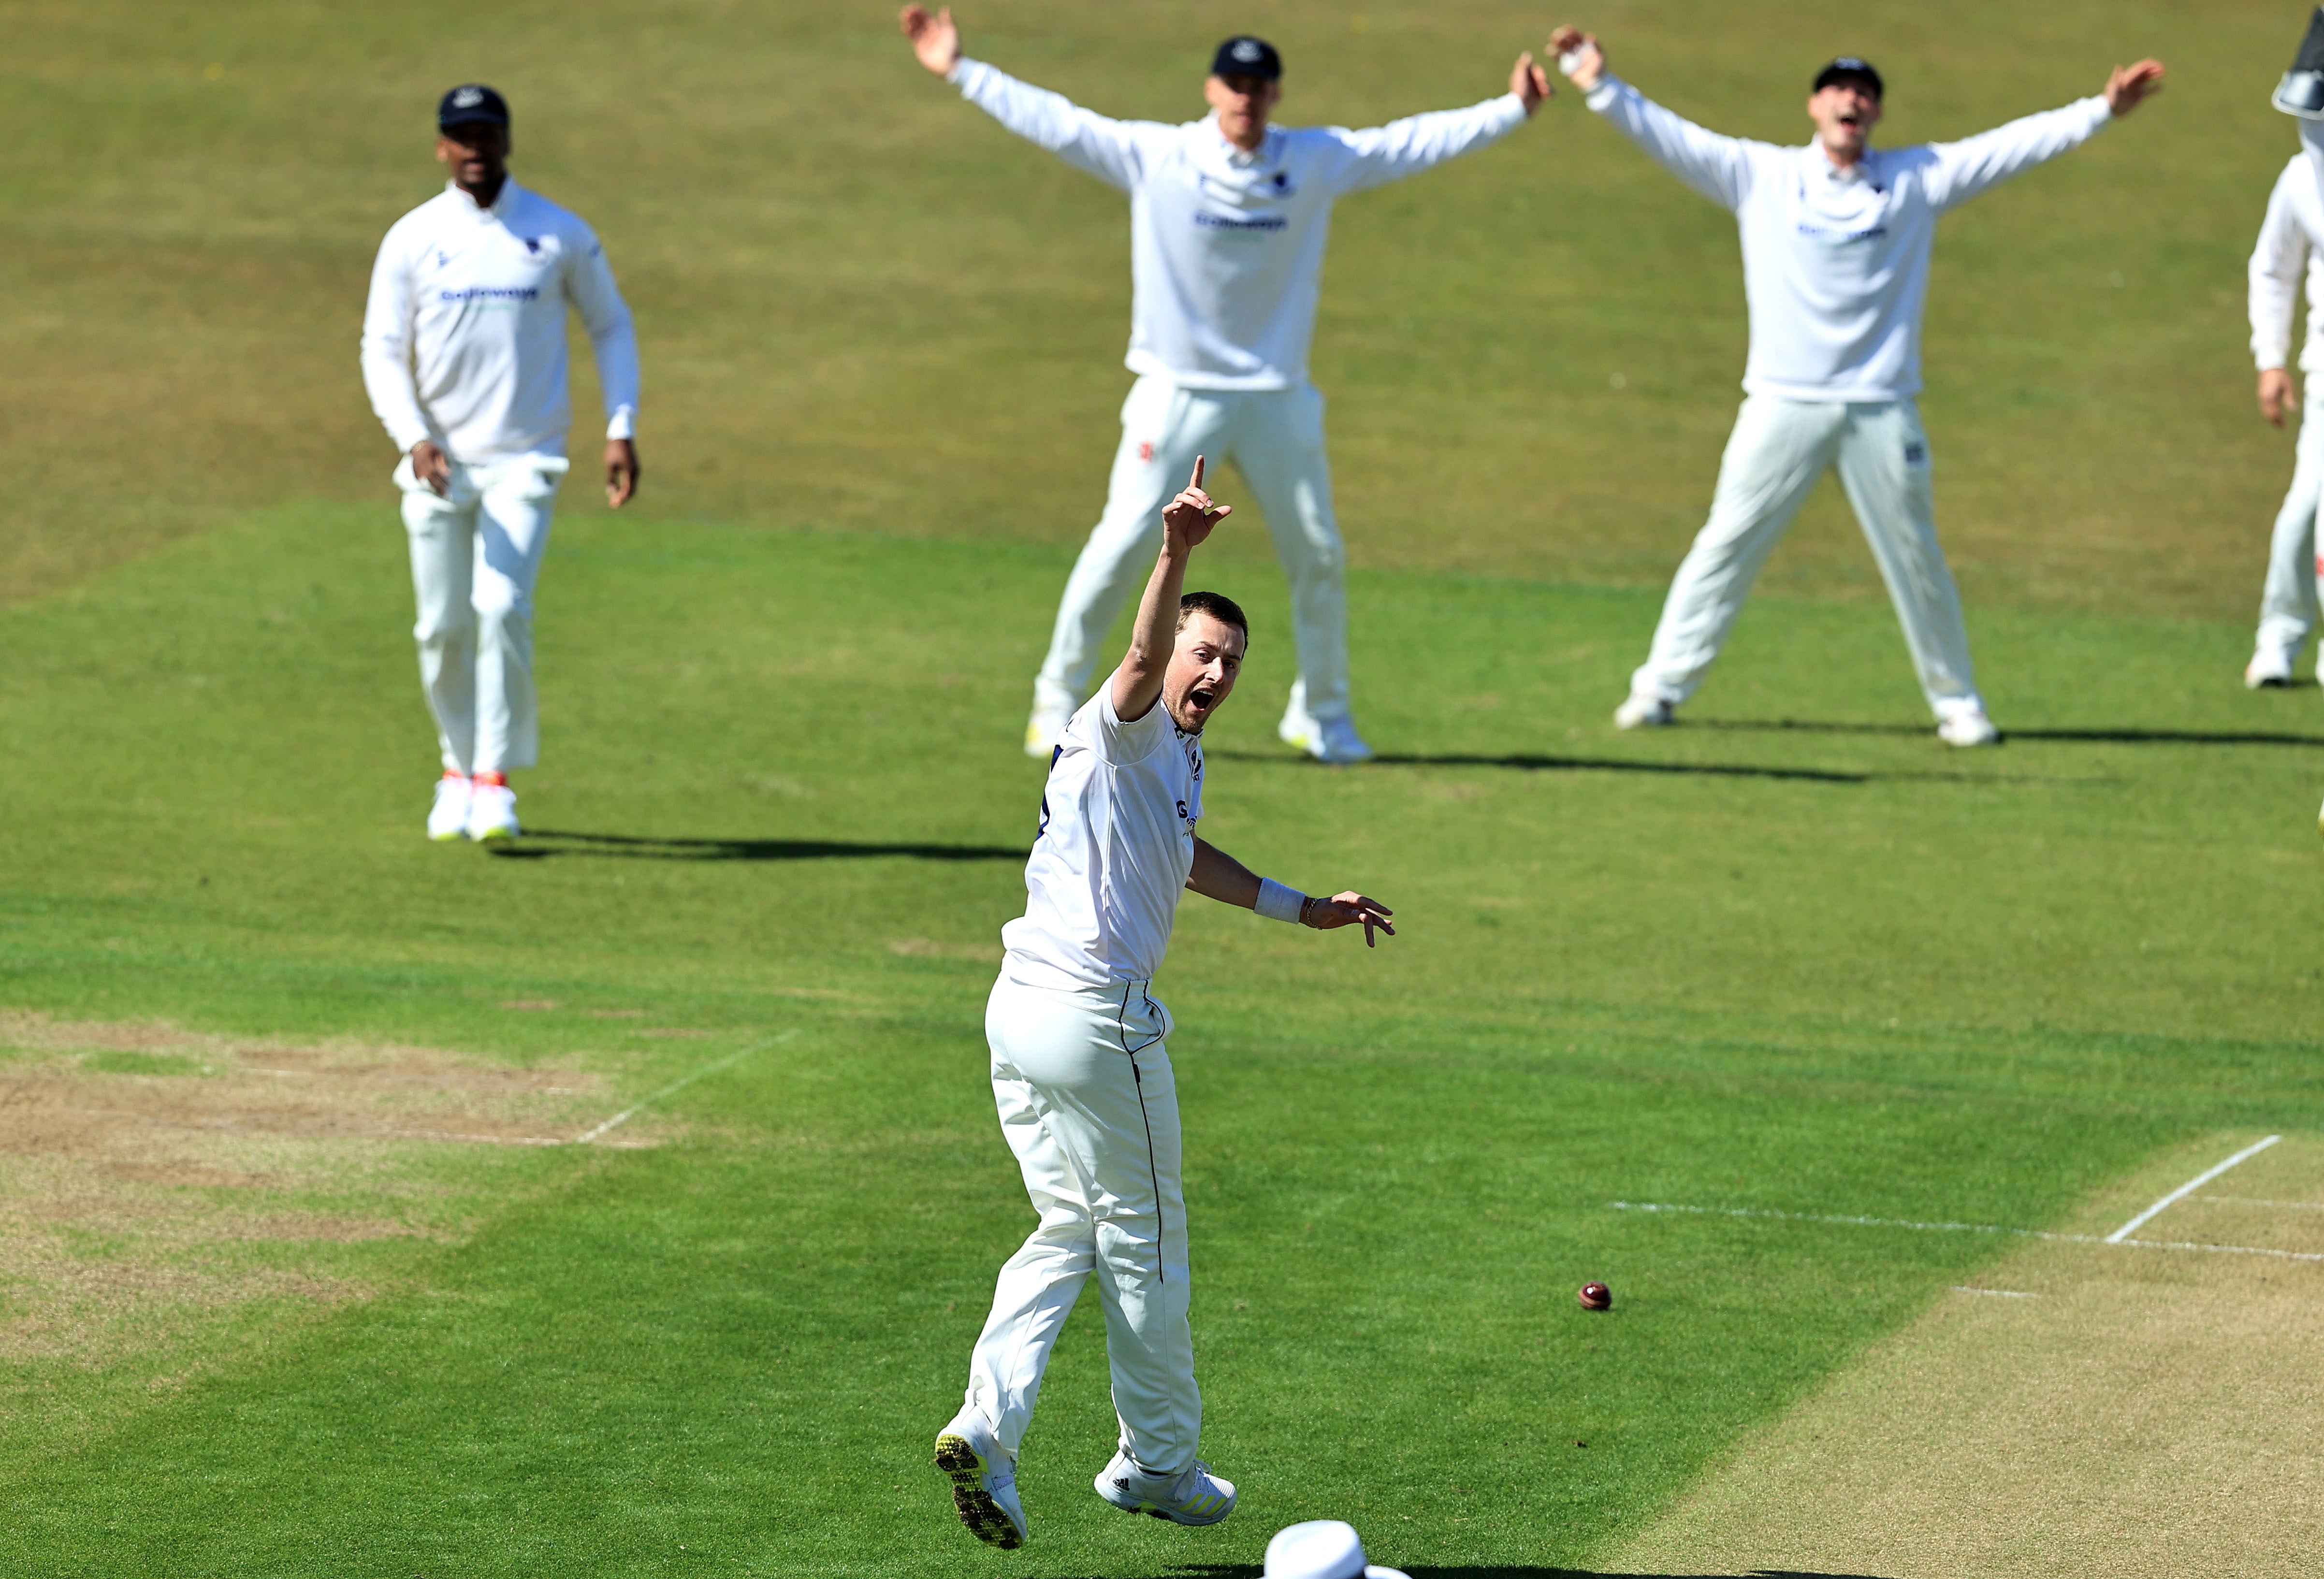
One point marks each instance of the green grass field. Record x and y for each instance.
(1796, 955)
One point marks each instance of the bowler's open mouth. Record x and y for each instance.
(1850, 119)
(1201, 697)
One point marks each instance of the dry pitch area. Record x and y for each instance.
(156, 1184)
(2085, 1408)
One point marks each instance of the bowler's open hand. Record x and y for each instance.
(1530, 83)
(934, 40)
(1345, 910)
(1187, 520)
(2132, 86)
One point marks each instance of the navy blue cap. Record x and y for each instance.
(1245, 56)
(469, 103)
(1846, 67)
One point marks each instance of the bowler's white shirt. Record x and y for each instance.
(1117, 841)
(2290, 247)
(464, 338)
(1836, 264)
(1226, 247)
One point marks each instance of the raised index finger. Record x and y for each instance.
(1198, 473)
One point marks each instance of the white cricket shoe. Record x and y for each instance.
(492, 812)
(1194, 1496)
(449, 818)
(1969, 728)
(2266, 670)
(1641, 711)
(1051, 714)
(983, 1482)
(1327, 740)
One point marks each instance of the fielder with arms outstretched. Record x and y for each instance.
(464, 356)
(1836, 238)
(1079, 1067)
(1228, 217)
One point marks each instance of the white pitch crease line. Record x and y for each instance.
(1994, 1292)
(2189, 1188)
(2287, 1255)
(674, 1086)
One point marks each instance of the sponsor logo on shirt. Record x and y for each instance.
(1208, 221)
(492, 294)
(1829, 238)
(1917, 453)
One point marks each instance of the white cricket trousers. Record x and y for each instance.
(1275, 438)
(475, 554)
(2288, 604)
(1779, 451)
(1088, 1105)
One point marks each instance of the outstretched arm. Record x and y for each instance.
(1976, 164)
(1187, 524)
(1381, 154)
(1718, 167)
(1106, 149)
(1220, 876)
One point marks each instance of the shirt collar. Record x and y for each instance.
(502, 205)
(1233, 153)
(1821, 161)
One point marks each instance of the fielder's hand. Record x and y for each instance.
(934, 40)
(1569, 42)
(621, 472)
(2132, 86)
(1187, 520)
(1345, 910)
(1530, 83)
(432, 467)
(2277, 395)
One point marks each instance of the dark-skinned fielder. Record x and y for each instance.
(1080, 1070)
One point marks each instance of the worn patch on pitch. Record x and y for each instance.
(154, 1182)
(2077, 1409)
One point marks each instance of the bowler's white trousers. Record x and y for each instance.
(2287, 607)
(1779, 451)
(1088, 1105)
(475, 554)
(1275, 438)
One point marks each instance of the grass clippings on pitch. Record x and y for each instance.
(2075, 1412)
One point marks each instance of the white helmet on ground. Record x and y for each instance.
(1322, 1548)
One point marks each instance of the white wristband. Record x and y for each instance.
(1278, 903)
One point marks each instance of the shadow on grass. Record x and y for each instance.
(1517, 1571)
(2101, 736)
(540, 843)
(1525, 761)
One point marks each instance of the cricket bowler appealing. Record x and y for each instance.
(1836, 239)
(464, 356)
(2289, 253)
(1228, 218)
(1080, 1070)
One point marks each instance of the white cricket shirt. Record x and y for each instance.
(2291, 247)
(1117, 841)
(1226, 247)
(464, 338)
(1836, 264)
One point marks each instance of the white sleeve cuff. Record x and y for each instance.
(1277, 902)
(622, 423)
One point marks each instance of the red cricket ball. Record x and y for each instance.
(1596, 1297)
